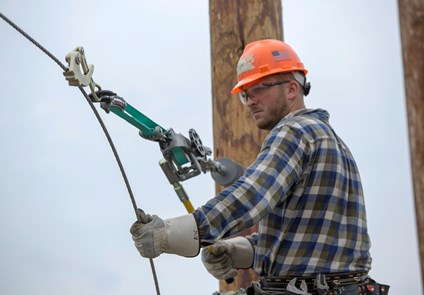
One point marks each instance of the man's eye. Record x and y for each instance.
(258, 90)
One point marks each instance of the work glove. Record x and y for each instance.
(153, 236)
(224, 257)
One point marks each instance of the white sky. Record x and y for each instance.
(64, 210)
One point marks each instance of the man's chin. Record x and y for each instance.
(263, 124)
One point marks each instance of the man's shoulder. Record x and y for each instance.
(305, 120)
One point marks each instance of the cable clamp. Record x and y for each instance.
(80, 73)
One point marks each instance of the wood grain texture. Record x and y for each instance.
(411, 16)
(233, 24)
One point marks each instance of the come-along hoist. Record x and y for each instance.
(184, 158)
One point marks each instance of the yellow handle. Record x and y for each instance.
(188, 206)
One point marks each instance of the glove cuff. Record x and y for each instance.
(182, 236)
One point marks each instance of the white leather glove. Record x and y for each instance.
(153, 236)
(223, 258)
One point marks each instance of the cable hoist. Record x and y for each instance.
(183, 158)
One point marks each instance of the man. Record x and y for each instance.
(304, 191)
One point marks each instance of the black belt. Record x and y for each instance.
(333, 278)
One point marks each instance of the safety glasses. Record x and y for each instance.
(258, 90)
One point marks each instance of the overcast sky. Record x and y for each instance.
(64, 209)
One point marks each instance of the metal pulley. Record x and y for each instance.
(230, 172)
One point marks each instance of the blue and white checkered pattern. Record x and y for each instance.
(305, 192)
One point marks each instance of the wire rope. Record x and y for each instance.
(103, 126)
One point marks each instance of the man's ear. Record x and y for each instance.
(293, 89)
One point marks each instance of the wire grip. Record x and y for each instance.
(80, 73)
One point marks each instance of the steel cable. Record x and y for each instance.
(99, 119)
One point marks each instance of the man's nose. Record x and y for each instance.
(250, 101)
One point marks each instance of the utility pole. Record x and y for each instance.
(233, 24)
(411, 16)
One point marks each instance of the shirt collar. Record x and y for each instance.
(320, 114)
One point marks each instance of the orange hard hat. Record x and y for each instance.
(265, 57)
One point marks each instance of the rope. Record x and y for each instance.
(99, 119)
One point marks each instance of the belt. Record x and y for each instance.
(334, 279)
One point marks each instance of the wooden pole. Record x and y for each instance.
(233, 24)
(411, 16)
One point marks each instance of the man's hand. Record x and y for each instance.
(153, 236)
(148, 235)
(223, 258)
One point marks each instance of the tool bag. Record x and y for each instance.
(319, 286)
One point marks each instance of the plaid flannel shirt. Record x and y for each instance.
(305, 192)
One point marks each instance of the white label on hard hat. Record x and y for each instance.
(245, 64)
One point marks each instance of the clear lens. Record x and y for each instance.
(258, 90)
(252, 93)
(243, 97)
